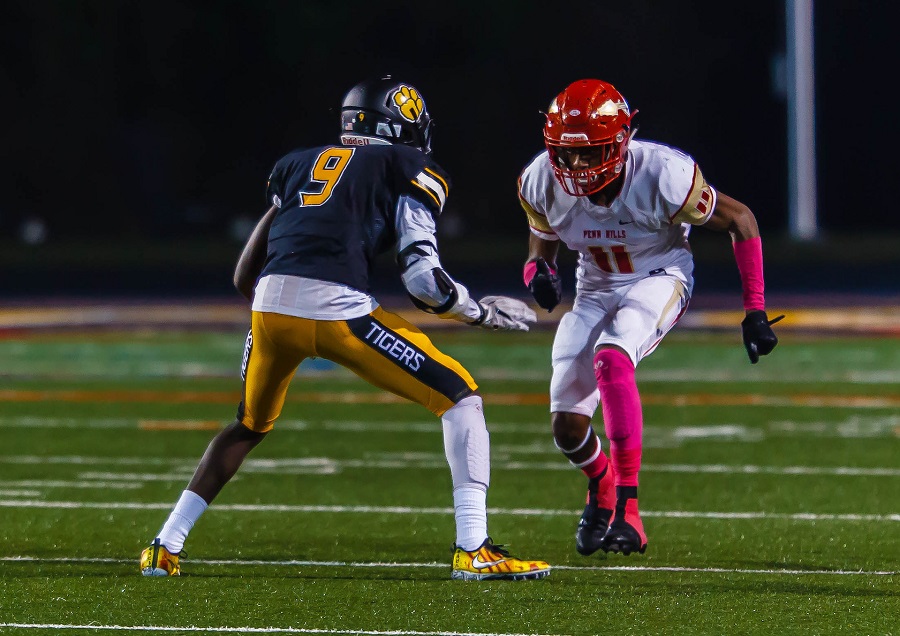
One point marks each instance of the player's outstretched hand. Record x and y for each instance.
(546, 286)
(759, 339)
(501, 312)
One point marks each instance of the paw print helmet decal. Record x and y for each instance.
(384, 111)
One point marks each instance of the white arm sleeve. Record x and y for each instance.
(420, 265)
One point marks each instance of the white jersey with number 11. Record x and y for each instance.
(644, 230)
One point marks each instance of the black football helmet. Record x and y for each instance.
(383, 110)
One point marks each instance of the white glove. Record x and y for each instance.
(501, 312)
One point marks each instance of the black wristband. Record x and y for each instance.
(480, 320)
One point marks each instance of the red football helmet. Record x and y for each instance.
(587, 133)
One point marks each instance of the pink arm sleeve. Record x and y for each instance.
(748, 255)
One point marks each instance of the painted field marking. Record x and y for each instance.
(849, 427)
(115, 484)
(432, 564)
(802, 400)
(179, 425)
(326, 466)
(134, 481)
(248, 630)
(139, 477)
(104, 369)
(435, 461)
(410, 510)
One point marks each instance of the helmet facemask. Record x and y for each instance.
(587, 131)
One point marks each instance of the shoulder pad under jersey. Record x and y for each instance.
(690, 199)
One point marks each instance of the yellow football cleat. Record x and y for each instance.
(158, 561)
(491, 561)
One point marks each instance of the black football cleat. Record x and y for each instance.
(626, 532)
(598, 509)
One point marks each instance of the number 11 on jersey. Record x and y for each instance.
(613, 260)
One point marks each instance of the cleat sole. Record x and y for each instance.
(587, 550)
(462, 575)
(624, 549)
(155, 572)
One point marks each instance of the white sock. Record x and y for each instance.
(470, 506)
(182, 518)
(467, 443)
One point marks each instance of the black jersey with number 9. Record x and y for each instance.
(338, 208)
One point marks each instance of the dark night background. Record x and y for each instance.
(137, 136)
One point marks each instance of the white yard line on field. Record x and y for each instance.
(410, 510)
(826, 400)
(849, 427)
(245, 630)
(381, 564)
(182, 468)
(116, 484)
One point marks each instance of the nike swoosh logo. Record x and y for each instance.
(621, 222)
(478, 564)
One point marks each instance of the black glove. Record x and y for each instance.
(545, 286)
(759, 339)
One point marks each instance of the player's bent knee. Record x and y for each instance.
(570, 430)
(256, 424)
(613, 364)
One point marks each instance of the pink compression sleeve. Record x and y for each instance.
(748, 255)
(622, 414)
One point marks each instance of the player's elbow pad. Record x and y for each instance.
(434, 292)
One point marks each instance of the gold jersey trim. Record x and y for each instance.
(535, 219)
(699, 204)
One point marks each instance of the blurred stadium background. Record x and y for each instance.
(138, 136)
(136, 143)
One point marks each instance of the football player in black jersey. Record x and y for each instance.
(305, 269)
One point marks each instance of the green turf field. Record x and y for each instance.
(770, 494)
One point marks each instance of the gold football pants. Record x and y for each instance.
(382, 348)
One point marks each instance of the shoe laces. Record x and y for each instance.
(498, 548)
(489, 545)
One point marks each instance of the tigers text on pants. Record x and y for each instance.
(382, 348)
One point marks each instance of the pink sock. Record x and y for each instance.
(595, 465)
(622, 415)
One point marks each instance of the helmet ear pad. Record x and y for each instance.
(588, 114)
(386, 111)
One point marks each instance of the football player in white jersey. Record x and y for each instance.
(626, 206)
